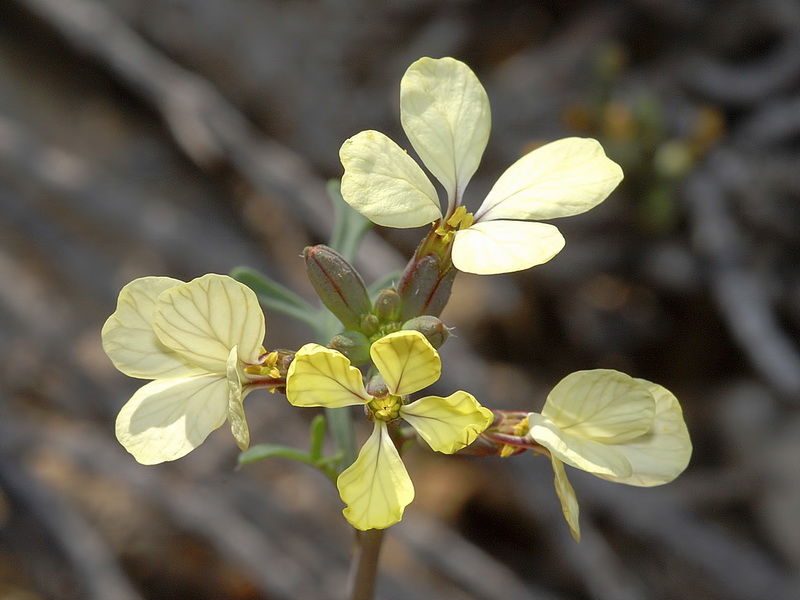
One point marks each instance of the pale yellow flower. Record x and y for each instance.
(376, 488)
(445, 113)
(614, 426)
(194, 340)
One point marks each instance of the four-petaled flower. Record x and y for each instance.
(614, 426)
(444, 111)
(376, 488)
(194, 340)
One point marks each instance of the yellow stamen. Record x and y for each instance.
(268, 367)
(386, 408)
(460, 219)
(507, 451)
(520, 429)
(271, 362)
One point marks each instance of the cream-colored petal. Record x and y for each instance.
(376, 488)
(602, 405)
(236, 417)
(662, 453)
(386, 185)
(588, 455)
(493, 247)
(448, 424)
(407, 361)
(562, 178)
(319, 376)
(168, 418)
(205, 318)
(569, 502)
(129, 339)
(445, 113)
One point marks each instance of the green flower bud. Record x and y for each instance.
(338, 285)
(353, 344)
(425, 287)
(376, 386)
(387, 305)
(431, 327)
(369, 324)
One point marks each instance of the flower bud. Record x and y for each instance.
(369, 324)
(424, 287)
(377, 387)
(431, 327)
(337, 284)
(387, 305)
(353, 344)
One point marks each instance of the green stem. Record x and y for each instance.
(349, 230)
(365, 565)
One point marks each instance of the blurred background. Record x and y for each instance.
(180, 137)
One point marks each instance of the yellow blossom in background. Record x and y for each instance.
(376, 488)
(614, 426)
(193, 340)
(445, 113)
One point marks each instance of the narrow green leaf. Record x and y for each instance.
(350, 226)
(262, 451)
(325, 464)
(317, 437)
(277, 297)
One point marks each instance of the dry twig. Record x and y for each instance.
(739, 293)
(93, 560)
(204, 124)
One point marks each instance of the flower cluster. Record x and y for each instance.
(201, 342)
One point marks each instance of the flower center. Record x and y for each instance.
(386, 408)
(520, 429)
(460, 219)
(268, 368)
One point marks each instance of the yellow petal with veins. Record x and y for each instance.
(205, 318)
(602, 405)
(663, 453)
(569, 502)
(319, 376)
(168, 418)
(448, 424)
(236, 418)
(492, 247)
(563, 178)
(445, 113)
(407, 361)
(385, 184)
(585, 454)
(376, 488)
(129, 339)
